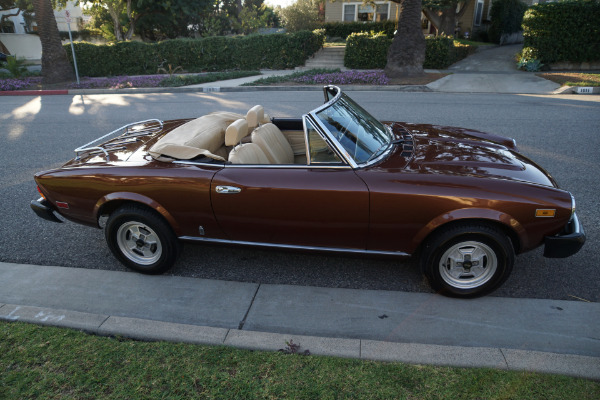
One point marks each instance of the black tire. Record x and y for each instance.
(141, 239)
(468, 260)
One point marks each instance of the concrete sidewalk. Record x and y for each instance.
(552, 336)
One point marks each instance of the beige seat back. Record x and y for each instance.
(274, 144)
(243, 153)
(247, 153)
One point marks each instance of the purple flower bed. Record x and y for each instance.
(118, 82)
(373, 77)
(19, 84)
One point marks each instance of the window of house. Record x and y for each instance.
(478, 13)
(7, 27)
(349, 11)
(366, 12)
(381, 12)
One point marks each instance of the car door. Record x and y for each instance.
(320, 204)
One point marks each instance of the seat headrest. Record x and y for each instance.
(255, 116)
(235, 132)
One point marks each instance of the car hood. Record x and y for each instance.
(457, 151)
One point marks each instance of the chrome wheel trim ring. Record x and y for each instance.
(139, 243)
(468, 265)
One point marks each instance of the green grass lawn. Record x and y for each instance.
(55, 363)
(572, 78)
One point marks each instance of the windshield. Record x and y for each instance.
(362, 136)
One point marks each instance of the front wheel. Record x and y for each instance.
(141, 240)
(468, 260)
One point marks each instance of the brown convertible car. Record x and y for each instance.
(336, 179)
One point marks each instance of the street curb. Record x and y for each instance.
(213, 89)
(577, 90)
(411, 353)
(33, 92)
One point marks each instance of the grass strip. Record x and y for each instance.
(572, 78)
(185, 80)
(474, 43)
(56, 363)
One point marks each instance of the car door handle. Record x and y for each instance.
(228, 189)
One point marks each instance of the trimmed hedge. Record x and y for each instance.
(565, 31)
(370, 52)
(345, 29)
(277, 51)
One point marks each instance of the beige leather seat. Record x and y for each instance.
(243, 153)
(274, 144)
(256, 116)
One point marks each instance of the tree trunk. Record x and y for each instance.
(55, 64)
(407, 51)
(444, 20)
(448, 21)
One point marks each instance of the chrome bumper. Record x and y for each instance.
(566, 243)
(42, 209)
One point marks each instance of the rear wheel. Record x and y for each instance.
(468, 260)
(141, 239)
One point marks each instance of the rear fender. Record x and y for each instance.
(120, 197)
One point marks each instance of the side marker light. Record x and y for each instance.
(545, 213)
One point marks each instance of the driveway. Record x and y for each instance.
(492, 69)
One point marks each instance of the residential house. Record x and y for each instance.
(475, 18)
(14, 30)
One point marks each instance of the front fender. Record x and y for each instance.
(120, 197)
(467, 214)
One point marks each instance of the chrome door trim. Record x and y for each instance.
(294, 247)
(288, 166)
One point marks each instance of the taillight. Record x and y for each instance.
(42, 194)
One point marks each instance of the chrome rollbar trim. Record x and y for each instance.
(126, 134)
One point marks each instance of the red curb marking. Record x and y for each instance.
(32, 92)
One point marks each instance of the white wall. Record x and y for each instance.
(23, 45)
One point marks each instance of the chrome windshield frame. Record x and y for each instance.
(330, 138)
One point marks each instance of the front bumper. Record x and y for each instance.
(42, 209)
(566, 243)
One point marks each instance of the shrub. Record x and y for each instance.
(345, 29)
(218, 53)
(506, 16)
(565, 31)
(365, 51)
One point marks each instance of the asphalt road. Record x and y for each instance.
(561, 133)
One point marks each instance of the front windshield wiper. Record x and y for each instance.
(378, 151)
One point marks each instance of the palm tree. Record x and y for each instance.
(407, 51)
(55, 64)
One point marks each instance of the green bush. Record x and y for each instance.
(277, 51)
(364, 51)
(345, 29)
(565, 31)
(506, 16)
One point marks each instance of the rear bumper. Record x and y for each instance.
(566, 243)
(42, 209)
